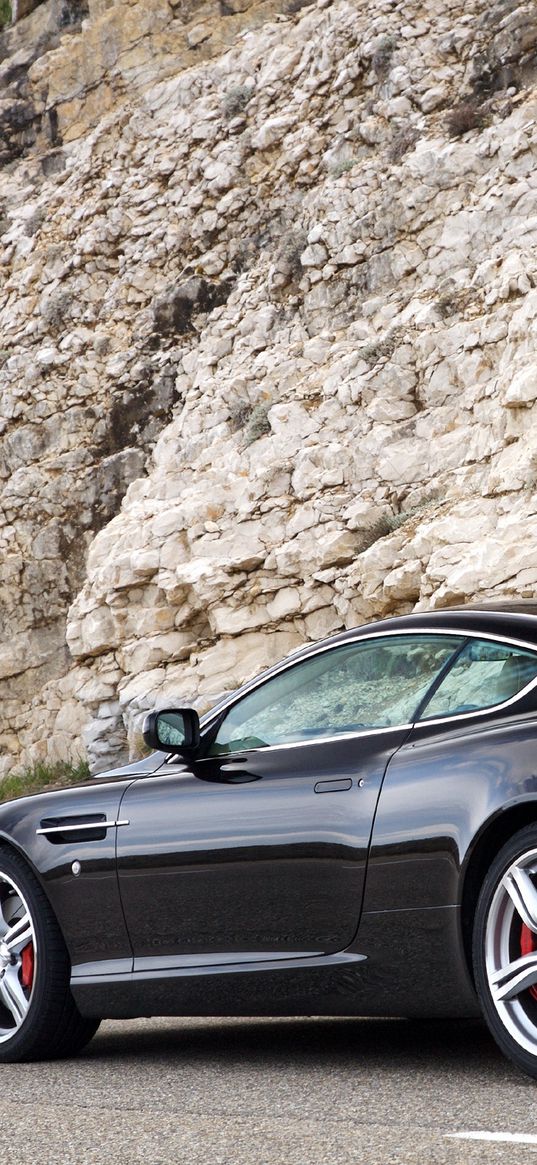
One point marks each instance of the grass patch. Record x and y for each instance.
(43, 776)
(5, 13)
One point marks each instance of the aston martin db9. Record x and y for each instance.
(354, 832)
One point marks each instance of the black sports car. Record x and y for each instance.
(354, 832)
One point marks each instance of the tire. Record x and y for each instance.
(505, 949)
(38, 1016)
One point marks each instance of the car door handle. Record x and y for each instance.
(340, 786)
(235, 773)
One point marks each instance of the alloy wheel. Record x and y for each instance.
(17, 957)
(511, 950)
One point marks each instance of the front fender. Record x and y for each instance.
(86, 903)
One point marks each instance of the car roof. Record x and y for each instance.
(514, 619)
(509, 618)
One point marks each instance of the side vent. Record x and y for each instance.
(86, 827)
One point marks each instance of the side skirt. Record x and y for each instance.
(413, 966)
(271, 987)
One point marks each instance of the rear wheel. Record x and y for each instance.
(505, 949)
(38, 1015)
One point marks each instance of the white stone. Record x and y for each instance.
(403, 584)
(286, 602)
(198, 34)
(522, 389)
(271, 132)
(432, 98)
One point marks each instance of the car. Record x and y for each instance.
(351, 833)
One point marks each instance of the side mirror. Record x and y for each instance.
(172, 730)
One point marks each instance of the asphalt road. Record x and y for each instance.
(272, 1092)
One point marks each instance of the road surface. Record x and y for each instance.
(273, 1092)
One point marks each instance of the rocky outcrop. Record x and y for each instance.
(269, 363)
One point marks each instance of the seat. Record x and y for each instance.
(516, 672)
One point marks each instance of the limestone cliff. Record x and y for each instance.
(268, 304)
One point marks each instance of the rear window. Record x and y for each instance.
(483, 675)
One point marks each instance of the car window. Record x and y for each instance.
(484, 674)
(370, 684)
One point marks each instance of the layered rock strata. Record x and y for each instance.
(269, 359)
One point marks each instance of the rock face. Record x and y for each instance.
(268, 308)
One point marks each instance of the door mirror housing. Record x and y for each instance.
(175, 730)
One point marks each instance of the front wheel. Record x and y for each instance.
(505, 949)
(38, 1015)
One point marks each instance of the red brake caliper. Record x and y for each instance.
(528, 943)
(27, 966)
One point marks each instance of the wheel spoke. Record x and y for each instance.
(19, 935)
(12, 994)
(523, 895)
(4, 924)
(514, 977)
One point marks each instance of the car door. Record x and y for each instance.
(471, 752)
(257, 848)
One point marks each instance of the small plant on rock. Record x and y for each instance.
(251, 419)
(258, 424)
(343, 167)
(56, 311)
(371, 534)
(383, 55)
(402, 142)
(291, 247)
(239, 415)
(465, 116)
(34, 223)
(236, 100)
(382, 348)
(388, 523)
